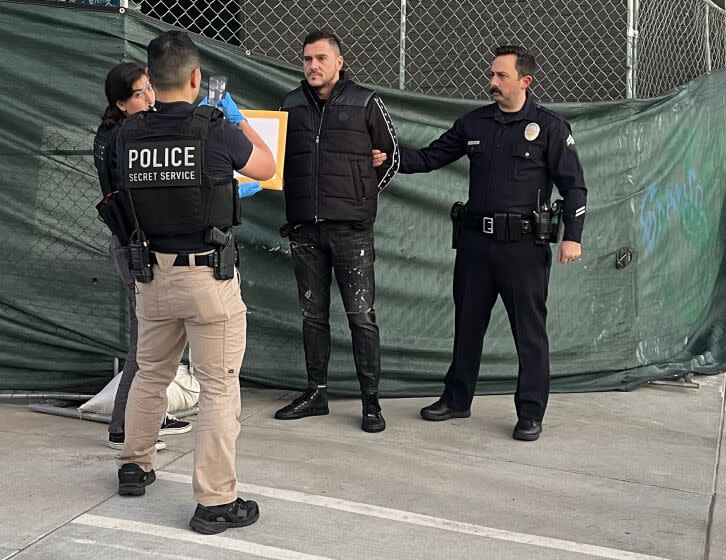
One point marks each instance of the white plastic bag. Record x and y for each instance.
(102, 402)
(182, 394)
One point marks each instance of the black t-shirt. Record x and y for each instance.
(227, 150)
(320, 102)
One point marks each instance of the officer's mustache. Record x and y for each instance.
(494, 90)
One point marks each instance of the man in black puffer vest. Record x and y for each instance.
(331, 192)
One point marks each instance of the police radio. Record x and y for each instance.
(542, 222)
(140, 259)
(139, 252)
(556, 224)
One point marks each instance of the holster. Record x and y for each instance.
(457, 223)
(226, 255)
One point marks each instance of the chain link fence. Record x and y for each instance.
(588, 50)
(678, 40)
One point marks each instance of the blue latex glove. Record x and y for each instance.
(248, 189)
(230, 109)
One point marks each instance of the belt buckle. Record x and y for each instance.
(487, 225)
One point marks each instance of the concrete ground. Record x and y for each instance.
(625, 476)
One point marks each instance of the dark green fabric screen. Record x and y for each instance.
(655, 170)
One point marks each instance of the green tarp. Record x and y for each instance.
(655, 170)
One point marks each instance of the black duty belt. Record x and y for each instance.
(494, 225)
(185, 260)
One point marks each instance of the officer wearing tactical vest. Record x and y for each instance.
(517, 149)
(177, 169)
(331, 192)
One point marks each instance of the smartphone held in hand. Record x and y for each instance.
(217, 89)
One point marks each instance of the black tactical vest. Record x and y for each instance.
(164, 171)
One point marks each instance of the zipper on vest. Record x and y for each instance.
(317, 160)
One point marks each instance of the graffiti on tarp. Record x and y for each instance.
(660, 205)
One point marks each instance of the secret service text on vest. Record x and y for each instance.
(177, 158)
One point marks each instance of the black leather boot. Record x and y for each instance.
(313, 402)
(373, 420)
(527, 430)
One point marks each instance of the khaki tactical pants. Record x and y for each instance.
(186, 303)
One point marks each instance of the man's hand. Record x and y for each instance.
(569, 251)
(378, 157)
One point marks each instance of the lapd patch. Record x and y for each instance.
(163, 164)
(532, 131)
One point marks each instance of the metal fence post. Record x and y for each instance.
(402, 49)
(631, 50)
(707, 38)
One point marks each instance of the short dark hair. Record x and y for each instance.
(323, 35)
(119, 86)
(172, 57)
(525, 64)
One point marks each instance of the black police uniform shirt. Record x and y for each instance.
(227, 150)
(514, 159)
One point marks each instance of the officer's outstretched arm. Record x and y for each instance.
(261, 164)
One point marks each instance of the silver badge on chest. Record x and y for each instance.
(532, 131)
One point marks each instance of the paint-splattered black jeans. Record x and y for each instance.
(347, 249)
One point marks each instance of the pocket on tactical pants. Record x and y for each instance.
(147, 300)
(216, 300)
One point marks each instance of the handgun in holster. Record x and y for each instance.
(457, 223)
(226, 255)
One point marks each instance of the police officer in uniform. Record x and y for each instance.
(517, 149)
(177, 182)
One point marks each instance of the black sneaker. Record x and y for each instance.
(133, 480)
(313, 402)
(116, 441)
(215, 519)
(373, 420)
(172, 425)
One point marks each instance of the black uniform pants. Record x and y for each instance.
(317, 250)
(519, 273)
